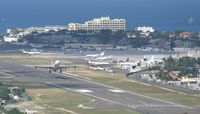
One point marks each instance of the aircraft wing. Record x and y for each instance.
(67, 66)
(51, 67)
(44, 66)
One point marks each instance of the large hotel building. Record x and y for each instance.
(103, 23)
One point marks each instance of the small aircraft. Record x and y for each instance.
(134, 69)
(31, 52)
(95, 55)
(104, 57)
(55, 66)
(151, 61)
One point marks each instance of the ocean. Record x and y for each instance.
(163, 15)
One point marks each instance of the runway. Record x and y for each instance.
(110, 96)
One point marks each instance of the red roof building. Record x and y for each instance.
(185, 34)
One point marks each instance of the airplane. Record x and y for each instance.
(127, 64)
(55, 66)
(151, 61)
(134, 69)
(31, 52)
(97, 63)
(37, 45)
(95, 55)
(104, 57)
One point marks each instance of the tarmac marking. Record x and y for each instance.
(76, 76)
(11, 74)
(84, 107)
(114, 102)
(85, 90)
(133, 93)
(116, 91)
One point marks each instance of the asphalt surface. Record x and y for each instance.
(105, 95)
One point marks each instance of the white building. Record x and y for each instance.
(10, 39)
(145, 29)
(99, 24)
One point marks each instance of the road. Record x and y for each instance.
(110, 96)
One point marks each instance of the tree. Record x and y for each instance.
(19, 91)
(4, 93)
(15, 111)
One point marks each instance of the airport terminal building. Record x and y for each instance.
(103, 23)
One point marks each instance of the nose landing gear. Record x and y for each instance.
(60, 71)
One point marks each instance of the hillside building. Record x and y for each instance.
(145, 29)
(103, 23)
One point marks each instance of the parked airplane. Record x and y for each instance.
(134, 69)
(126, 64)
(37, 45)
(55, 66)
(95, 55)
(151, 62)
(104, 57)
(96, 63)
(31, 52)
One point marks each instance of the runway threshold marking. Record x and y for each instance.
(114, 102)
(116, 91)
(85, 90)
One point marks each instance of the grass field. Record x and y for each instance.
(32, 60)
(58, 101)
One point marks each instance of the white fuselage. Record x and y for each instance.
(31, 52)
(56, 65)
(126, 65)
(97, 63)
(95, 55)
(104, 58)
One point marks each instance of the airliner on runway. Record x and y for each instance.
(55, 66)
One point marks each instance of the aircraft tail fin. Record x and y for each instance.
(102, 53)
(23, 51)
(127, 60)
(52, 62)
(152, 58)
(88, 61)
